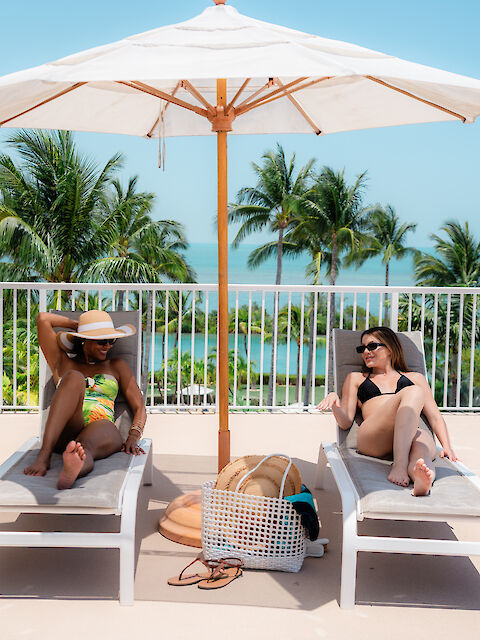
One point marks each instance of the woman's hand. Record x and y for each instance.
(448, 452)
(131, 446)
(330, 401)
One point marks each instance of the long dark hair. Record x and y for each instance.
(391, 341)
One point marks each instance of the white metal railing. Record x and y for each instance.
(179, 339)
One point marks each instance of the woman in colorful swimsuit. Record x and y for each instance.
(391, 399)
(80, 423)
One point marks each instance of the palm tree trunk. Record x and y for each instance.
(121, 294)
(331, 324)
(148, 340)
(299, 373)
(312, 336)
(387, 273)
(311, 352)
(278, 279)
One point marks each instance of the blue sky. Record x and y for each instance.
(428, 173)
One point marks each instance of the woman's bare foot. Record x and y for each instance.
(73, 459)
(399, 475)
(39, 467)
(424, 477)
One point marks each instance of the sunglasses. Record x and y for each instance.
(109, 341)
(371, 346)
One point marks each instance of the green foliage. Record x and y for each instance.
(385, 236)
(272, 203)
(456, 259)
(16, 346)
(50, 208)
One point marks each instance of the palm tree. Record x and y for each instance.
(271, 204)
(387, 238)
(141, 249)
(334, 221)
(456, 260)
(50, 208)
(335, 212)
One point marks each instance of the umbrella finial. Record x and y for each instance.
(217, 2)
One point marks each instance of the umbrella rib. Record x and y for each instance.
(254, 95)
(188, 86)
(412, 95)
(275, 95)
(165, 107)
(246, 106)
(140, 86)
(40, 104)
(236, 96)
(297, 106)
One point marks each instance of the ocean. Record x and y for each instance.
(203, 258)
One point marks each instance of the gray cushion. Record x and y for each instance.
(453, 494)
(99, 489)
(347, 360)
(126, 348)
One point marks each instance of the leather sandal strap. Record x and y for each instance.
(232, 562)
(199, 559)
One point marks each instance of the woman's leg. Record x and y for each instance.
(393, 428)
(406, 427)
(97, 440)
(64, 423)
(421, 467)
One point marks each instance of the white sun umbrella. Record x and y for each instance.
(225, 72)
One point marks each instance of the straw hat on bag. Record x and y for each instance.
(265, 481)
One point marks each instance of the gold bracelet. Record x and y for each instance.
(135, 428)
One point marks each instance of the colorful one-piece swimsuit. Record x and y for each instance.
(99, 399)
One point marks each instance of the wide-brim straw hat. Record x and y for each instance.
(94, 325)
(265, 481)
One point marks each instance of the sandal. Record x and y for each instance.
(193, 578)
(228, 570)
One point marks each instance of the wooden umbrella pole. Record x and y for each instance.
(220, 124)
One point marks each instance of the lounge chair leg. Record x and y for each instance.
(321, 468)
(148, 473)
(349, 559)
(127, 572)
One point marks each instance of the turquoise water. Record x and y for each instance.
(203, 257)
(255, 352)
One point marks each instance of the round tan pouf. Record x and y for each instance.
(182, 520)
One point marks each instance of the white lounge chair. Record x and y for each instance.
(366, 493)
(111, 488)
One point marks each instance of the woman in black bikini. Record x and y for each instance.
(391, 399)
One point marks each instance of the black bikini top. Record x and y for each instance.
(368, 389)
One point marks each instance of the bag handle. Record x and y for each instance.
(272, 455)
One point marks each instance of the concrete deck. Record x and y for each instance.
(58, 593)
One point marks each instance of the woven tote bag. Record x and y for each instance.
(266, 533)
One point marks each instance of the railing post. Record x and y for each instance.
(394, 311)
(42, 363)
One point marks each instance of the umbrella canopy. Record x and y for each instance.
(222, 71)
(330, 86)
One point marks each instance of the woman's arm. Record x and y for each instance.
(343, 411)
(134, 398)
(434, 417)
(47, 338)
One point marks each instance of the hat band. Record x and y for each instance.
(93, 326)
